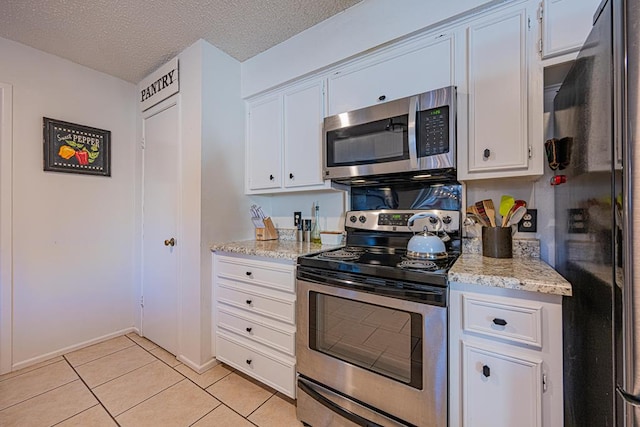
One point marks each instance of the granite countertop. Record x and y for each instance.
(278, 249)
(527, 274)
(523, 273)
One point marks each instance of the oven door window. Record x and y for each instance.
(374, 142)
(379, 339)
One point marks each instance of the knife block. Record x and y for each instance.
(268, 232)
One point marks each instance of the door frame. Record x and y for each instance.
(6, 227)
(173, 101)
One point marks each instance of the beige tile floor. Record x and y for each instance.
(130, 381)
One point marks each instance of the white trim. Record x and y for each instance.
(65, 350)
(199, 368)
(6, 228)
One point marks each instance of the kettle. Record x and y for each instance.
(426, 245)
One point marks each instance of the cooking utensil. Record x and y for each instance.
(516, 204)
(476, 216)
(490, 210)
(516, 215)
(480, 211)
(506, 202)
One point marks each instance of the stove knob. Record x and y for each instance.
(433, 220)
(353, 218)
(362, 219)
(446, 220)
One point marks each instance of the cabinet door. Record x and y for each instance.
(424, 68)
(500, 390)
(264, 143)
(566, 24)
(497, 84)
(303, 115)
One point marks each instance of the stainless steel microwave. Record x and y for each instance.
(414, 134)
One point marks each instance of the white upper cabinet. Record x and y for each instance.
(264, 142)
(303, 112)
(504, 85)
(416, 67)
(565, 25)
(284, 140)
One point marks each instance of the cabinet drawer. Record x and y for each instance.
(516, 321)
(273, 275)
(266, 368)
(256, 302)
(282, 339)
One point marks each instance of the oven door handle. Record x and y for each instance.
(357, 419)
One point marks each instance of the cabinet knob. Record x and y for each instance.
(486, 371)
(170, 242)
(249, 301)
(248, 361)
(486, 153)
(290, 176)
(248, 273)
(249, 329)
(500, 322)
(382, 97)
(271, 178)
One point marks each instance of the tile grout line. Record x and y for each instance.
(39, 394)
(90, 391)
(199, 386)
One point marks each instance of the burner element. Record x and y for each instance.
(418, 264)
(426, 255)
(340, 254)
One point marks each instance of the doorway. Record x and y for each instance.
(160, 243)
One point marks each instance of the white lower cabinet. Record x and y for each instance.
(254, 318)
(505, 365)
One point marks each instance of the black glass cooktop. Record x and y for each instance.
(388, 263)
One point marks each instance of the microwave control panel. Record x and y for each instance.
(433, 131)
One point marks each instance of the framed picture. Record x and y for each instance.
(76, 149)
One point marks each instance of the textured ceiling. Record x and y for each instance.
(131, 38)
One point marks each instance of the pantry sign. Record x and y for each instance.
(160, 85)
(73, 148)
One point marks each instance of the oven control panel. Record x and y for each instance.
(398, 221)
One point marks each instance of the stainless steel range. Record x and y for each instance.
(372, 324)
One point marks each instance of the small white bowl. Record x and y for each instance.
(331, 237)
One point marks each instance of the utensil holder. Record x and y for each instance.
(497, 242)
(269, 231)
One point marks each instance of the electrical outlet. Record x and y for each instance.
(529, 222)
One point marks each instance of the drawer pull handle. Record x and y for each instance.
(248, 273)
(249, 301)
(249, 329)
(486, 371)
(500, 322)
(382, 97)
(248, 361)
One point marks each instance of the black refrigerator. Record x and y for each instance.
(597, 230)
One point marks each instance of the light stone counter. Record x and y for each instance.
(526, 274)
(277, 249)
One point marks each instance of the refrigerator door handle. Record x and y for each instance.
(628, 398)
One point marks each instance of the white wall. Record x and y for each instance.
(73, 235)
(362, 27)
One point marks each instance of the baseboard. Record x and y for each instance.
(60, 352)
(199, 368)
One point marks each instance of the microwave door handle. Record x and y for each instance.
(413, 148)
